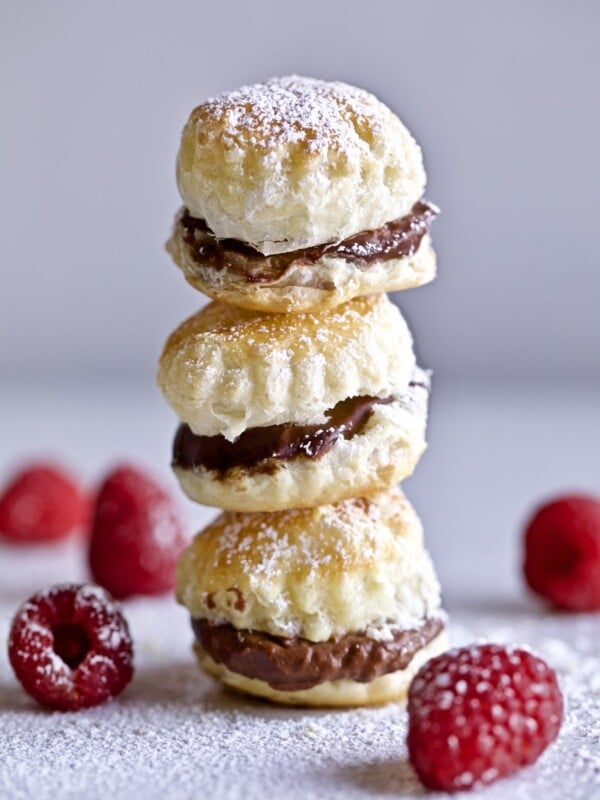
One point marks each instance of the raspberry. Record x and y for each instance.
(562, 553)
(480, 713)
(137, 535)
(41, 504)
(70, 647)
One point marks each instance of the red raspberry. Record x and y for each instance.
(42, 503)
(479, 713)
(562, 553)
(70, 647)
(137, 535)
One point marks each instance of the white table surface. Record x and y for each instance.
(494, 451)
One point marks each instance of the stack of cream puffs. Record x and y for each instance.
(301, 406)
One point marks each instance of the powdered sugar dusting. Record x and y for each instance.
(321, 115)
(174, 734)
(340, 535)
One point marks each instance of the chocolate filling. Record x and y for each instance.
(395, 239)
(290, 665)
(258, 449)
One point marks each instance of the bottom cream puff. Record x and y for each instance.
(336, 605)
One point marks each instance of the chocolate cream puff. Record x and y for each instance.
(333, 606)
(293, 410)
(300, 195)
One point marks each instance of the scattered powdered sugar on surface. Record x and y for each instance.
(175, 734)
(294, 109)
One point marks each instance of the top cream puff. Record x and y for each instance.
(299, 195)
(297, 162)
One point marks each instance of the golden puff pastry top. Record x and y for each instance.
(226, 368)
(296, 162)
(356, 566)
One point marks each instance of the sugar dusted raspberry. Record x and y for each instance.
(137, 535)
(480, 713)
(562, 552)
(70, 647)
(42, 503)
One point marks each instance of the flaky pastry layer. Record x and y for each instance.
(226, 369)
(382, 455)
(328, 283)
(296, 162)
(314, 573)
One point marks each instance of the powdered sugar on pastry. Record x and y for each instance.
(296, 162)
(313, 573)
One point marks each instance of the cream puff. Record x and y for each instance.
(333, 606)
(300, 195)
(294, 410)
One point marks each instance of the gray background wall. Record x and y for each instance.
(503, 97)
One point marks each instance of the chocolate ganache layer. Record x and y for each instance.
(258, 449)
(292, 664)
(395, 239)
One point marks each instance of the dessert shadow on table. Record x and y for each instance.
(183, 684)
